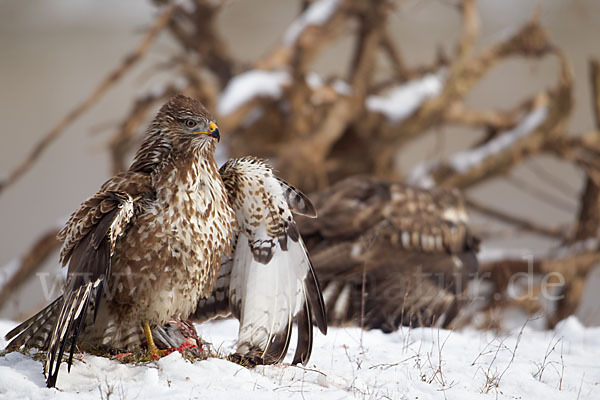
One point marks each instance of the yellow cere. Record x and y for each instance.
(211, 128)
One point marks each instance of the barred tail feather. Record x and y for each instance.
(67, 328)
(35, 332)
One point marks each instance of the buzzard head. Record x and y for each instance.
(182, 125)
(187, 119)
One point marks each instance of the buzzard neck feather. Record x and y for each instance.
(193, 167)
(155, 150)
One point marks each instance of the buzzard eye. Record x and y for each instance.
(190, 123)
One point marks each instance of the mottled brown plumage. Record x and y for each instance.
(412, 246)
(146, 247)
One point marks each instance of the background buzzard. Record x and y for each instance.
(409, 250)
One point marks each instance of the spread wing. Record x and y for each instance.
(390, 254)
(89, 239)
(268, 282)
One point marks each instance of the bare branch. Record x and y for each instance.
(129, 61)
(43, 248)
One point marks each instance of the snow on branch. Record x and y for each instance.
(465, 160)
(401, 101)
(249, 85)
(317, 13)
(467, 167)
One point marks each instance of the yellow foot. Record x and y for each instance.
(153, 352)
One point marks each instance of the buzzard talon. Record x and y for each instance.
(154, 353)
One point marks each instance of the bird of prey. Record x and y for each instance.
(149, 245)
(389, 254)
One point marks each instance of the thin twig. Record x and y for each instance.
(362, 306)
(74, 114)
(32, 261)
(580, 386)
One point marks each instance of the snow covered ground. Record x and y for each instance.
(347, 363)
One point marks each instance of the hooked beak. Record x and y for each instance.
(213, 131)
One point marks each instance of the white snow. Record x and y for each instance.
(590, 244)
(401, 101)
(249, 85)
(317, 13)
(420, 175)
(464, 160)
(418, 363)
(316, 81)
(260, 83)
(342, 87)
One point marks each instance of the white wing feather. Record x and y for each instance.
(270, 296)
(273, 282)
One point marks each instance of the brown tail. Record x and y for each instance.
(36, 331)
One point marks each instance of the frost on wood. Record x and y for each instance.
(249, 85)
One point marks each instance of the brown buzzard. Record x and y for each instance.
(409, 250)
(149, 245)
